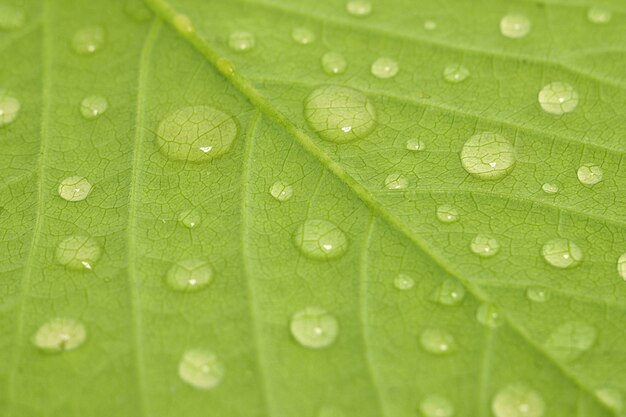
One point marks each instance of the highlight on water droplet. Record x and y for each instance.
(190, 218)
(485, 245)
(517, 400)
(450, 293)
(196, 134)
(570, 340)
(385, 67)
(537, 294)
(320, 239)
(590, 174)
(514, 25)
(489, 315)
(201, 369)
(78, 252)
(488, 156)
(562, 253)
(88, 40)
(403, 282)
(189, 275)
(415, 145)
(334, 63)
(359, 8)
(183, 23)
(447, 213)
(455, 73)
(396, 181)
(60, 334)
(9, 108)
(281, 191)
(430, 25)
(340, 114)
(437, 341)
(558, 98)
(550, 188)
(302, 35)
(621, 266)
(75, 188)
(611, 397)
(11, 17)
(436, 406)
(241, 41)
(314, 328)
(599, 15)
(93, 106)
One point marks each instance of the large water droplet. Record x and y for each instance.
(189, 275)
(611, 397)
(11, 18)
(88, 40)
(196, 134)
(396, 181)
(183, 23)
(359, 8)
(303, 36)
(340, 114)
(190, 218)
(599, 15)
(517, 400)
(430, 25)
(455, 73)
(537, 294)
(281, 191)
(403, 282)
(384, 68)
(93, 106)
(320, 239)
(621, 266)
(137, 10)
(9, 108)
(74, 188)
(558, 98)
(485, 245)
(241, 41)
(447, 213)
(562, 253)
(415, 145)
(570, 340)
(334, 63)
(436, 406)
(78, 252)
(201, 369)
(514, 26)
(590, 174)
(489, 315)
(550, 188)
(450, 293)
(314, 328)
(488, 156)
(60, 334)
(437, 341)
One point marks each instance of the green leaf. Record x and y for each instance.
(312, 208)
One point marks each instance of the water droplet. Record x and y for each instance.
(303, 36)
(599, 15)
(196, 134)
(447, 213)
(88, 40)
(403, 282)
(450, 293)
(396, 181)
(9, 108)
(430, 25)
(359, 8)
(201, 369)
(489, 315)
(517, 400)
(611, 397)
(340, 114)
(241, 41)
(558, 98)
(60, 334)
(281, 191)
(514, 26)
(437, 341)
(436, 406)
(621, 266)
(415, 145)
(562, 253)
(455, 73)
(488, 156)
(189, 275)
(183, 23)
(78, 252)
(225, 67)
(550, 188)
(74, 188)
(590, 174)
(190, 218)
(385, 68)
(137, 10)
(11, 18)
(314, 328)
(570, 340)
(334, 63)
(320, 239)
(537, 294)
(485, 245)
(93, 106)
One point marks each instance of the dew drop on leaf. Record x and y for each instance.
(621, 266)
(11, 17)
(334, 63)
(9, 108)
(455, 73)
(488, 156)
(396, 181)
(558, 98)
(78, 252)
(281, 191)
(60, 334)
(74, 188)
(189, 275)
(517, 400)
(88, 40)
(189, 218)
(93, 106)
(485, 245)
(320, 239)
(340, 114)
(437, 341)
(599, 15)
(570, 340)
(415, 145)
(430, 25)
(550, 188)
(537, 294)
(303, 36)
(314, 328)
(201, 369)
(449, 293)
(488, 315)
(447, 213)
(359, 8)
(590, 174)
(384, 68)
(514, 26)
(183, 23)
(436, 406)
(403, 282)
(562, 253)
(137, 10)
(241, 41)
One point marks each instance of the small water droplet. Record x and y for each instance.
(359, 8)
(334, 63)
(447, 213)
(190, 218)
(241, 41)
(437, 341)
(430, 25)
(436, 406)
(599, 15)
(621, 266)
(9, 108)
(517, 400)
(514, 26)
(455, 73)
(340, 114)
(384, 68)
(281, 191)
(450, 293)
(196, 134)
(489, 315)
(558, 98)
(403, 282)
(302, 35)
(225, 67)
(611, 397)
(60, 334)
(137, 10)
(11, 18)
(183, 23)
(488, 156)
(562, 253)
(88, 40)
(537, 294)
(74, 188)
(93, 106)
(314, 328)
(590, 174)
(550, 188)
(78, 252)
(570, 340)
(201, 369)
(485, 245)
(396, 181)
(320, 239)
(189, 275)
(415, 145)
